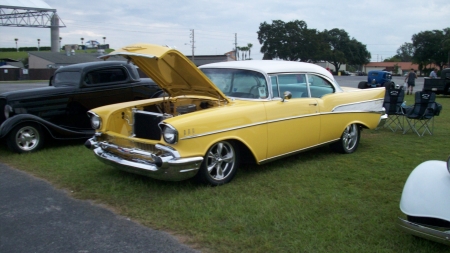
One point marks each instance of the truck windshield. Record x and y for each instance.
(66, 78)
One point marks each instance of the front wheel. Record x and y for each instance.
(348, 143)
(220, 164)
(362, 85)
(25, 137)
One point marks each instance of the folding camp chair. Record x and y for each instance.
(393, 100)
(420, 117)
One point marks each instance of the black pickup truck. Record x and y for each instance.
(438, 85)
(28, 117)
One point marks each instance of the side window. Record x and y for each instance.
(319, 86)
(104, 76)
(294, 83)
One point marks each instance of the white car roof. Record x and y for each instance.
(271, 66)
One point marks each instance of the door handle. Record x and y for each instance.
(314, 104)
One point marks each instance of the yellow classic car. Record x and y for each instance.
(218, 115)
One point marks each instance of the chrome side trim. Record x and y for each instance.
(295, 152)
(373, 105)
(427, 232)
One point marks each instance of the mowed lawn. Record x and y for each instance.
(317, 201)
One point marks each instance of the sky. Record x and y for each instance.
(382, 25)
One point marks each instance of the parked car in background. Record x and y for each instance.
(425, 202)
(377, 78)
(59, 111)
(92, 44)
(226, 113)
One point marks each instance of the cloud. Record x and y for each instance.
(382, 25)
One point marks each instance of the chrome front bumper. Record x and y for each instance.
(430, 233)
(169, 166)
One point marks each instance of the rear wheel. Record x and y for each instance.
(25, 137)
(349, 141)
(220, 164)
(362, 85)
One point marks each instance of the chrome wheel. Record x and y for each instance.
(350, 137)
(220, 164)
(25, 138)
(349, 140)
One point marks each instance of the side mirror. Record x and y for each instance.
(287, 95)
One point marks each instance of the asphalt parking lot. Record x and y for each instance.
(36, 217)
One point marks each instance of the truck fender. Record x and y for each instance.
(425, 193)
(55, 131)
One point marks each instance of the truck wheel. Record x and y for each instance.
(25, 137)
(362, 85)
(220, 164)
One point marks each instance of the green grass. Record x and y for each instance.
(317, 201)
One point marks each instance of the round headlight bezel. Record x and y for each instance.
(96, 121)
(7, 110)
(170, 134)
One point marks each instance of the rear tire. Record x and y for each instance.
(362, 85)
(25, 137)
(220, 164)
(349, 141)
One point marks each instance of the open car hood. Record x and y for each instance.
(170, 69)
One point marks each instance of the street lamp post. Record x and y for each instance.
(16, 39)
(39, 43)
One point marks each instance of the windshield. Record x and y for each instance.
(66, 78)
(238, 83)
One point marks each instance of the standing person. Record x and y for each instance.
(433, 73)
(411, 78)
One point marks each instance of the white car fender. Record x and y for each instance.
(427, 191)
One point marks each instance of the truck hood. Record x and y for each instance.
(171, 70)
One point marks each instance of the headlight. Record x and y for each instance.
(170, 134)
(96, 121)
(7, 111)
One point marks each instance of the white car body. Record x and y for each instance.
(425, 199)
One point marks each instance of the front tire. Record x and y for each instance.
(25, 137)
(220, 164)
(349, 141)
(362, 85)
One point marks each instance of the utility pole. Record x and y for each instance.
(235, 46)
(192, 44)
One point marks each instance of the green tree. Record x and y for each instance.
(430, 47)
(291, 41)
(343, 49)
(249, 46)
(405, 52)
